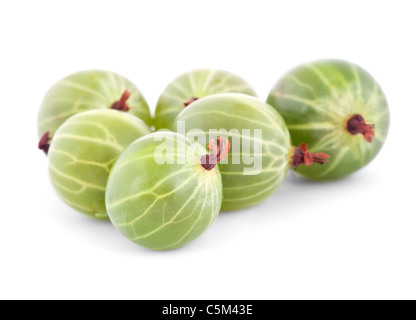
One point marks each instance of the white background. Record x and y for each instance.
(353, 238)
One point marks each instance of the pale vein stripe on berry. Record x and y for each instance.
(312, 126)
(192, 226)
(106, 166)
(256, 195)
(89, 139)
(181, 89)
(325, 80)
(151, 192)
(357, 79)
(334, 162)
(82, 88)
(71, 178)
(191, 198)
(208, 79)
(302, 84)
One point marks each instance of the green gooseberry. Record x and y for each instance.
(87, 90)
(260, 144)
(335, 107)
(162, 192)
(191, 86)
(82, 153)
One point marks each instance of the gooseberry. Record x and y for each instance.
(191, 86)
(87, 90)
(82, 153)
(335, 107)
(260, 151)
(164, 190)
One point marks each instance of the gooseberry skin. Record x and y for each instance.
(317, 99)
(162, 206)
(195, 84)
(238, 111)
(82, 153)
(88, 90)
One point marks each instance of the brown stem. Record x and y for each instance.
(122, 103)
(189, 101)
(302, 156)
(356, 125)
(218, 151)
(44, 142)
(208, 161)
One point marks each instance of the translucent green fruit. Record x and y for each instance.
(159, 195)
(260, 144)
(87, 90)
(82, 153)
(191, 86)
(335, 107)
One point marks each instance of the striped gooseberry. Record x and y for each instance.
(260, 151)
(87, 90)
(337, 108)
(191, 86)
(164, 190)
(82, 153)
